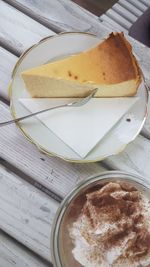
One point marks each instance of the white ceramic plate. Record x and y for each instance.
(57, 47)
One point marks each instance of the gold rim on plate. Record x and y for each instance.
(43, 150)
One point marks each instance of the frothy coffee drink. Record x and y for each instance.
(113, 228)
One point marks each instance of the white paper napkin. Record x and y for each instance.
(83, 127)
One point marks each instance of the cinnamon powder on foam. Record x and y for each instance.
(121, 205)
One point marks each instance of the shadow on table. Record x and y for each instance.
(140, 30)
(97, 7)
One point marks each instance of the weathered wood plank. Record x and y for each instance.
(139, 49)
(62, 15)
(120, 16)
(57, 175)
(69, 16)
(110, 23)
(7, 62)
(125, 13)
(141, 6)
(53, 173)
(59, 11)
(130, 7)
(12, 254)
(135, 158)
(18, 31)
(26, 213)
(119, 19)
(25, 166)
(146, 2)
(50, 172)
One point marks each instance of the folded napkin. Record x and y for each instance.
(81, 128)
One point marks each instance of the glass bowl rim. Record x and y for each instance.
(56, 259)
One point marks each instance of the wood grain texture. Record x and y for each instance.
(134, 159)
(60, 176)
(62, 15)
(18, 31)
(7, 62)
(59, 12)
(141, 6)
(125, 13)
(110, 23)
(119, 18)
(132, 8)
(12, 254)
(146, 2)
(26, 213)
(53, 173)
(68, 16)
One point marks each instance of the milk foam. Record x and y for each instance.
(88, 243)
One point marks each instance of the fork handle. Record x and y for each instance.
(30, 115)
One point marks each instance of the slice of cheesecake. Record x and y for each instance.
(110, 67)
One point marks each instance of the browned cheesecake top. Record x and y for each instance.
(110, 62)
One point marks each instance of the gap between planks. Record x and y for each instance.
(67, 15)
(50, 169)
(58, 15)
(8, 61)
(18, 31)
(138, 48)
(130, 158)
(14, 254)
(60, 176)
(26, 214)
(47, 171)
(30, 180)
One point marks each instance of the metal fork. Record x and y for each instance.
(77, 103)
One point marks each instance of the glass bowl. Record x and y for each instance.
(61, 243)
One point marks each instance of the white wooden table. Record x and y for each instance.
(32, 184)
